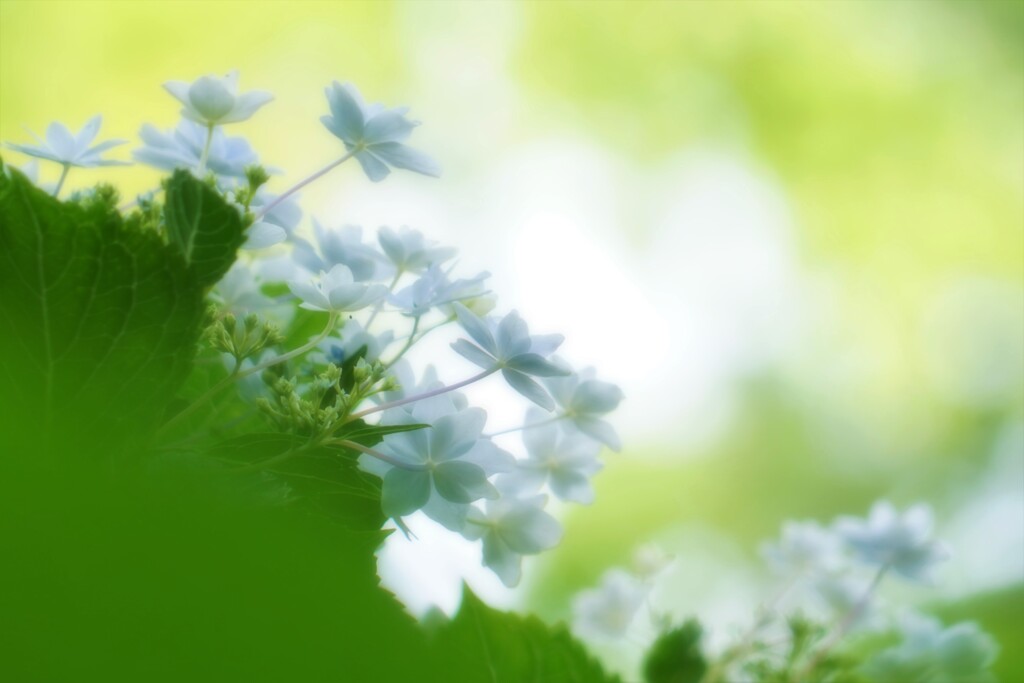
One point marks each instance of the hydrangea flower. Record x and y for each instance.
(508, 346)
(608, 610)
(902, 543)
(961, 653)
(511, 528)
(433, 289)
(805, 548)
(446, 465)
(336, 291)
(409, 251)
(183, 148)
(374, 134)
(214, 101)
(563, 461)
(584, 401)
(274, 226)
(62, 147)
(341, 246)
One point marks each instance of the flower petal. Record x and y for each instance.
(375, 169)
(347, 112)
(404, 491)
(402, 156)
(462, 482)
(474, 354)
(528, 388)
(388, 126)
(476, 327)
(88, 132)
(60, 140)
(246, 105)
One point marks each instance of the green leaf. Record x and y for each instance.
(205, 229)
(325, 480)
(371, 435)
(676, 656)
(482, 644)
(99, 321)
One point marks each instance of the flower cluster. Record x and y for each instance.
(430, 448)
(836, 621)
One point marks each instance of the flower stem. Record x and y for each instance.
(63, 177)
(206, 151)
(236, 375)
(301, 184)
(524, 427)
(420, 397)
(413, 339)
(380, 303)
(844, 626)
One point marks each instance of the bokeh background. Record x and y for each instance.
(793, 232)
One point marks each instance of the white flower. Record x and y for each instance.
(805, 548)
(274, 226)
(336, 291)
(71, 150)
(563, 461)
(902, 543)
(440, 469)
(961, 653)
(508, 346)
(374, 134)
(433, 289)
(183, 148)
(213, 100)
(608, 610)
(511, 528)
(409, 251)
(341, 245)
(585, 401)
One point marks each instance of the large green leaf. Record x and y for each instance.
(204, 229)
(99, 322)
(484, 645)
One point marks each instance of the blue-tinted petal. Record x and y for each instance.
(528, 388)
(402, 156)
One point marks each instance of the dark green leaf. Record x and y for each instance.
(99, 323)
(676, 656)
(484, 645)
(205, 229)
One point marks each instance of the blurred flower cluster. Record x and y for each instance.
(827, 621)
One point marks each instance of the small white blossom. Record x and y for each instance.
(507, 345)
(409, 251)
(584, 401)
(806, 548)
(214, 100)
(902, 543)
(343, 246)
(374, 134)
(434, 289)
(961, 653)
(608, 610)
(511, 528)
(564, 461)
(441, 468)
(336, 291)
(183, 148)
(62, 147)
(274, 226)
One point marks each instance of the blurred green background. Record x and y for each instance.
(793, 231)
